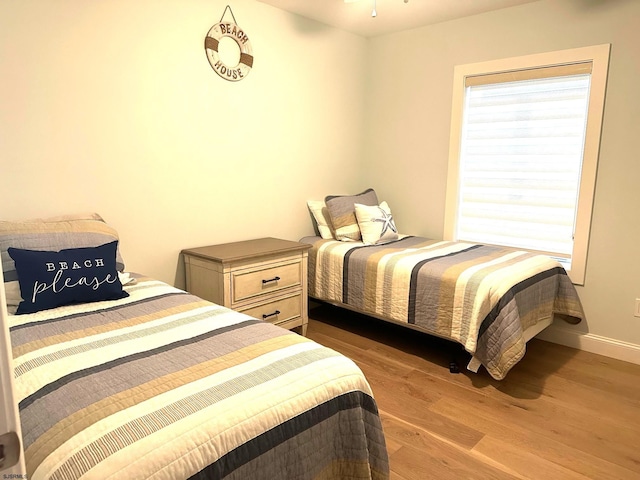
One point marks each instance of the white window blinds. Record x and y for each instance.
(521, 153)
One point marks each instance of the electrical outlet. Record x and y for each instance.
(637, 312)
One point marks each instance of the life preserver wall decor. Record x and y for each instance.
(211, 44)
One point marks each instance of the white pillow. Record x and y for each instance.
(376, 224)
(321, 216)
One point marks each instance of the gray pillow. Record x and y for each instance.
(51, 234)
(342, 212)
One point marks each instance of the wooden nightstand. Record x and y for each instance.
(265, 278)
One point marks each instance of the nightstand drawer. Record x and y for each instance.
(265, 278)
(278, 311)
(247, 284)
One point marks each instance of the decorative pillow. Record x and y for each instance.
(342, 213)
(75, 275)
(321, 216)
(376, 224)
(51, 234)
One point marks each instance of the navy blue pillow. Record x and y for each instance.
(75, 275)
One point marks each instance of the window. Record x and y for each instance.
(525, 136)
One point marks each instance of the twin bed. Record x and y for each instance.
(489, 299)
(158, 383)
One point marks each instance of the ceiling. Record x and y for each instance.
(392, 15)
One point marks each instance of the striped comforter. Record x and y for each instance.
(483, 297)
(163, 384)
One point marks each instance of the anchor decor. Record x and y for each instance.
(212, 42)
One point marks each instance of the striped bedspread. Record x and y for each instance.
(483, 297)
(165, 385)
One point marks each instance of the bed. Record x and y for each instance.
(489, 299)
(154, 382)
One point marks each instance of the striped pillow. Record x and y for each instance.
(50, 234)
(342, 212)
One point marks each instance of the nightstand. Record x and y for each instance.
(265, 278)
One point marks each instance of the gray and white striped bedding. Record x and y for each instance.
(483, 297)
(163, 384)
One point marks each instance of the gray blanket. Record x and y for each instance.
(163, 384)
(483, 297)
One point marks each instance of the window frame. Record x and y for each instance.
(598, 55)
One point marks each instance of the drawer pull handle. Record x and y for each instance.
(265, 316)
(274, 279)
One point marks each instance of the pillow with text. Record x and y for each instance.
(50, 279)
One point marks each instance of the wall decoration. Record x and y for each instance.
(212, 42)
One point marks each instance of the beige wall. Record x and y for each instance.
(111, 106)
(410, 82)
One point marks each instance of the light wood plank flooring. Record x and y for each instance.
(560, 413)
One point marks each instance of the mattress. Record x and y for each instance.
(163, 384)
(483, 297)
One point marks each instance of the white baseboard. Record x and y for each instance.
(628, 352)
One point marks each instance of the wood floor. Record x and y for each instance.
(560, 413)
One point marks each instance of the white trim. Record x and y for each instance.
(9, 415)
(599, 56)
(609, 347)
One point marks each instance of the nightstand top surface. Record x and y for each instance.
(235, 251)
